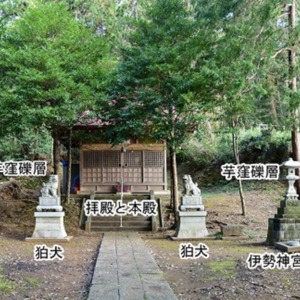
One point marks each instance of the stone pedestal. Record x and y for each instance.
(191, 202)
(49, 225)
(285, 226)
(191, 213)
(49, 202)
(191, 224)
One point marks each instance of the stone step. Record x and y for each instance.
(111, 223)
(129, 222)
(124, 228)
(125, 218)
(126, 198)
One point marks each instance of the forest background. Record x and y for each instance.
(215, 79)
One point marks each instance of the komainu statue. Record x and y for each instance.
(50, 188)
(190, 188)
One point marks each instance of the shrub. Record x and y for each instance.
(198, 153)
(266, 147)
(254, 147)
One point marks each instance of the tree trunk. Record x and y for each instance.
(174, 184)
(56, 157)
(210, 131)
(170, 168)
(293, 86)
(273, 103)
(69, 166)
(274, 109)
(237, 160)
(296, 154)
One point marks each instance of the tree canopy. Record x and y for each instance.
(154, 81)
(53, 68)
(157, 84)
(153, 69)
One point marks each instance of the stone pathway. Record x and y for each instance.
(125, 270)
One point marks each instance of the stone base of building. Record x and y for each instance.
(191, 224)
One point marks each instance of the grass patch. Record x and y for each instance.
(34, 282)
(164, 244)
(233, 248)
(224, 267)
(6, 285)
(226, 187)
(250, 233)
(251, 185)
(217, 236)
(211, 200)
(286, 282)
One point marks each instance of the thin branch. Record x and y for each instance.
(285, 13)
(260, 32)
(251, 77)
(279, 51)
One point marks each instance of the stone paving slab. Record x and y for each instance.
(125, 270)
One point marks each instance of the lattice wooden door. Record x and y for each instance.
(154, 166)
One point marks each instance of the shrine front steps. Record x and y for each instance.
(112, 223)
(128, 222)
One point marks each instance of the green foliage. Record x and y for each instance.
(243, 49)
(265, 147)
(218, 235)
(255, 147)
(10, 10)
(153, 88)
(34, 282)
(178, 60)
(251, 234)
(27, 144)
(111, 19)
(54, 68)
(226, 267)
(198, 153)
(224, 148)
(6, 285)
(31, 182)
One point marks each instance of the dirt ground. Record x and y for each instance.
(224, 275)
(21, 277)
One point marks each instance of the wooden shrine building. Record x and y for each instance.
(142, 167)
(100, 167)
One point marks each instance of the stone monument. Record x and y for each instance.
(285, 226)
(49, 218)
(192, 213)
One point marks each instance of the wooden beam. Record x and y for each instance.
(149, 147)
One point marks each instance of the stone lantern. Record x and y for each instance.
(285, 226)
(291, 165)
